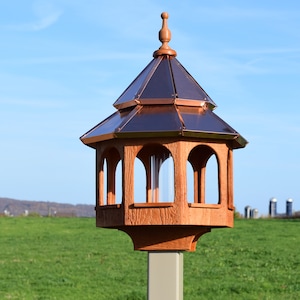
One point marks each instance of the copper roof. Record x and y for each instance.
(164, 100)
(164, 81)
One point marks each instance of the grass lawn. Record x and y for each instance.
(69, 258)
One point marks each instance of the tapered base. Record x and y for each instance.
(165, 238)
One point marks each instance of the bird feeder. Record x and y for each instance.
(164, 116)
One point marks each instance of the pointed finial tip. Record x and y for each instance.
(165, 37)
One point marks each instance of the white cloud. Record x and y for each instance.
(45, 15)
(45, 21)
(37, 25)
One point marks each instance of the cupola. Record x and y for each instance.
(163, 117)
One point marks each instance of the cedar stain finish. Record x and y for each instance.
(156, 120)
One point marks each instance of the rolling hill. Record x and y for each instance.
(15, 207)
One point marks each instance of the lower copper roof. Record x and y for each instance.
(163, 121)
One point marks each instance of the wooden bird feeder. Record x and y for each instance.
(163, 116)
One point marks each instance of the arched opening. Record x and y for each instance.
(158, 165)
(110, 178)
(118, 196)
(139, 182)
(211, 181)
(203, 172)
(190, 182)
(166, 180)
(103, 186)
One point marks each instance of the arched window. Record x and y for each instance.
(202, 176)
(139, 182)
(103, 184)
(166, 180)
(158, 174)
(118, 195)
(190, 182)
(110, 178)
(211, 181)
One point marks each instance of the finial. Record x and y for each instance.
(165, 37)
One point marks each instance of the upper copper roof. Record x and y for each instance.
(164, 100)
(164, 81)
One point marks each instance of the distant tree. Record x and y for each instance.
(34, 214)
(237, 215)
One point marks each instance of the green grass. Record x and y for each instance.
(258, 259)
(69, 258)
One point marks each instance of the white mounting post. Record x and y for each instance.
(165, 275)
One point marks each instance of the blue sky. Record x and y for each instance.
(64, 63)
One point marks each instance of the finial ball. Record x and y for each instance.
(164, 15)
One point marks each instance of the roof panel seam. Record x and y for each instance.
(147, 79)
(132, 114)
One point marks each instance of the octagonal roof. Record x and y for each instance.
(164, 81)
(164, 100)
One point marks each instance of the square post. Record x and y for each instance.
(165, 275)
